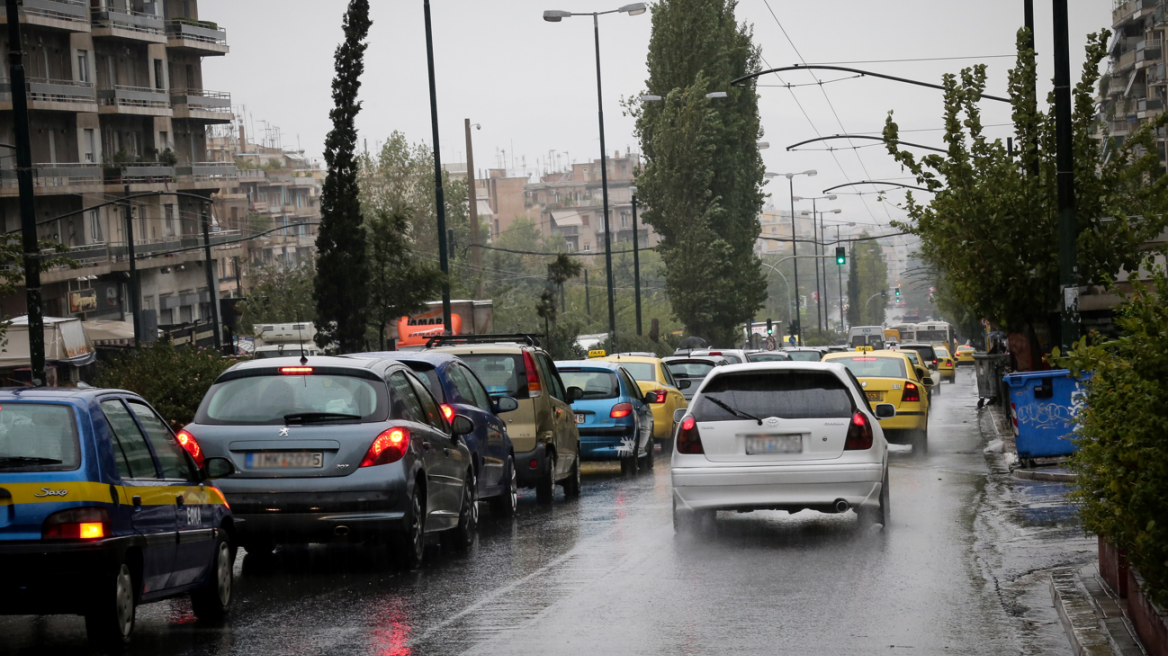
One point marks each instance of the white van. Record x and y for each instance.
(866, 336)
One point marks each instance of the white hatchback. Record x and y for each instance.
(780, 436)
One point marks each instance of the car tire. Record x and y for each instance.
(545, 488)
(647, 460)
(572, 484)
(212, 602)
(920, 443)
(109, 622)
(880, 514)
(409, 546)
(628, 465)
(507, 502)
(461, 537)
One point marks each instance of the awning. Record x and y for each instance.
(65, 343)
(484, 208)
(567, 218)
(109, 333)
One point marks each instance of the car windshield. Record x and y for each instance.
(870, 366)
(768, 357)
(787, 394)
(502, 373)
(596, 383)
(38, 437)
(264, 400)
(646, 371)
(804, 356)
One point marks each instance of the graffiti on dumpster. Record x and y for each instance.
(1053, 415)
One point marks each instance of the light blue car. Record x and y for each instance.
(614, 421)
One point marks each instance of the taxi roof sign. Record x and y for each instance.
(865, 348)
(598, 353)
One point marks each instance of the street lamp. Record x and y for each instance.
(794, 242)
(648, 97)
(555, 16)
(816, 234)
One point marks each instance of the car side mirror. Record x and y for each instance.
(885, 411)
(462, 425)
(678, 415)
(217, 467)
(649, 398)
(927, 380)
(684, 384)
(504, 404)
(575, 394)
(923, 373)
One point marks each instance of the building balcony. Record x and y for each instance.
(1151, 105)
(132, 26)
(1126, 12)
(206, 174)
(54, 95)
(196, 37)
(55, 178)
(137, 101)
(203, 105)
(67, 15)
(139, 173)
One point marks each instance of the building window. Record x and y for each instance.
(169, 224)
(83, 66)
(95, 232)
(624, 219)
(587, 247)
(89, 145)
(159, 75)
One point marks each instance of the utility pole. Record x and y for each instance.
(208, 267)
(818, 298)
(604, 192)
(636, 265)
(1028, 11)
(1065, 163)
(135, 292)
(439, 199)
(476, 253)
(795, 253)
(29, 237)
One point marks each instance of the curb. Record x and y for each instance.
(1046, 476)
(1093, 621)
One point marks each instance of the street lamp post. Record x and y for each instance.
(555, 16)
(794, 243)
(816, 234)
(439, 198)
(636, 261)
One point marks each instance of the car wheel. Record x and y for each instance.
(545, 489)
(647, 460)
(880, 514)
(410, 544)
(462, 536)
(507, 502)
(628, 465)
(573, 483)
(110, 621)
(211, 602)
(920, 443)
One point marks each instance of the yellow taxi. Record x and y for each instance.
(965, 354)
(915, 358)
(946, 364)
(891, 377)
(652, 376)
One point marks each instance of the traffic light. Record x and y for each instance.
(898, 292)
(770, 327)
(841, 257)
(794, 329)
(883, 293)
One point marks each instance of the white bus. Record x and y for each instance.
(908, 332)
(866, 336)
(934, 332)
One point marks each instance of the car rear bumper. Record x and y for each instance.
(529, 466)
(606, 443)
(789, 487)
(45, 578)
(906, 420)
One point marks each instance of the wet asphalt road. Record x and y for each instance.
(605, 575)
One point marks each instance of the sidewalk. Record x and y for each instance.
(998, 429)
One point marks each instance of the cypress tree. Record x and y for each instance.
(341, 266)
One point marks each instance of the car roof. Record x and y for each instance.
(748, 367)
(916, 345)
(429, 357)
(594, 363)
(347, 361)
(644, 359)
(495, 347)
(704, 358)
(856, 354)
(56, 393)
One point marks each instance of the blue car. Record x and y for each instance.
(103, 508)
(460, 392)
(615, 422)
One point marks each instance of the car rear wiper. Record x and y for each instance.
(16, 461)
(311, 417)
(736, 413)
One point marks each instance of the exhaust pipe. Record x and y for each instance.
(342, 531)
(841, 506)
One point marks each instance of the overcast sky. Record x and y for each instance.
(532, 85)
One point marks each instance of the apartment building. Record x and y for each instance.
(118, 107)
(1135, 88)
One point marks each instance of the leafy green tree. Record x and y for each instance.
(279, 295)
(399, 283)
(867, 275)
(702, 181)
(341, 267)
(173, 380)
(560, 271)
(992, 224)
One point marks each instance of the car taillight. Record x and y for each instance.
(859, 434)
(689, 440)
(911, 392)
(621, 410)
(447, 412)
(934, 363)
(189, 443)
(534, 387)
(296, 371)
(659, 396)
(389, 447)
(77, 524)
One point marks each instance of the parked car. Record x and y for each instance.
(965, 354)
(690, 370)
(768, 356)
(543, 428)
(338, 449)
(804, 353)
(614, 417)
(106, 510)
(780, 436)
(890, 377)
(929, 358)
(460, 392)
(654, 378)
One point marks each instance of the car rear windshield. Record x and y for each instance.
(646, 371)
(932, 335)
(282, 353)
(786, 394)
(502, 373)
(805, 356)
(690, 369)
(869, 366)
(596, 383)
(942, 352)
(926, 352)
(768, 357)
(429, 375)
(267, 400)
(38, 437)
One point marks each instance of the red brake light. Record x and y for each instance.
(661, 395)
(863, 359)
(912, 393)
(296, 371)
(934, 362)
(389, 447)
(447, 412)
(533, 385)
(191, 445)
(621, 410)
(859, 434)
(689, 440)
(715, 353)
(77, 524)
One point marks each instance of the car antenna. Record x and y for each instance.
(300, 336)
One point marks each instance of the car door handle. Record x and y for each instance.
(426, 446)
(446, 451)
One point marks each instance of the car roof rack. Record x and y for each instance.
(455, 340)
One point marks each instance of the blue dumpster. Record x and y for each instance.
(1043, 405)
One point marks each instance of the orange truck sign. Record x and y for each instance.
(466, 317)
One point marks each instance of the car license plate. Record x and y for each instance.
(875, 396)
(285, 460)
(760, 444)
(579, 419)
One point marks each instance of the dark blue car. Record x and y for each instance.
(460, 392)
(613, 418)
(103, 508)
